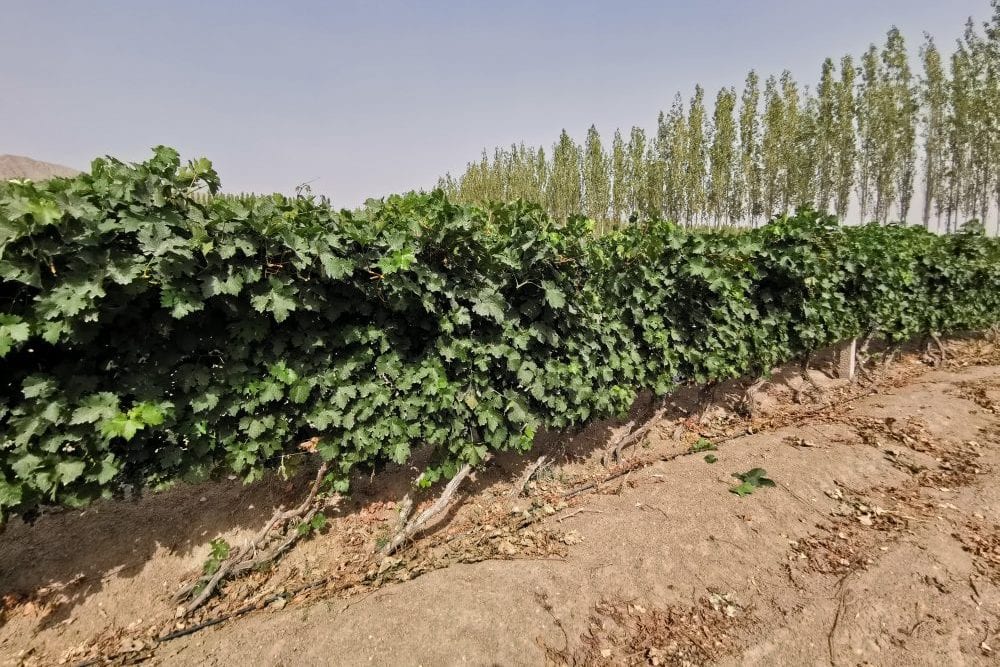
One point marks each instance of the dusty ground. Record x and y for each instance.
(879, 544)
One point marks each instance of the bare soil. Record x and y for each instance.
(879, 544)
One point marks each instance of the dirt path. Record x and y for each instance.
(879, 544)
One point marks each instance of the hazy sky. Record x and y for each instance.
(370, 97)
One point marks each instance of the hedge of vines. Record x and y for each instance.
(149, 335)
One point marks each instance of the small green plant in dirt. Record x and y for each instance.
(750, 481)
(219, 552)
(703, 445)
(711, 458)
(314, 525)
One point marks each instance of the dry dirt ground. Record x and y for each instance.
(878, 544)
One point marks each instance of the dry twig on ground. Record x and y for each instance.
(529, 473)
(276, 537)
(411, 528)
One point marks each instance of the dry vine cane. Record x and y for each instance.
(633, 434)
(277, 536)
(522, 484)
(407, 529)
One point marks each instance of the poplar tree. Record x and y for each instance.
(619, 178)
(502, 173)
(674, 144)
(975, 192)
(477, 184)
(449, 184)
(983, 94)
(960, 136)
(866, 115)
(858, 134)
(526, 183)
(901, 118)
(541, 174)
(772, 157)
(934, 99)
(845, 137)
(888, 128)
(826, 135)
(596, 179)
(564, 195)
(722, 156)
(750, 179)
(635, 170)
(492, 180)
(804, 167)
(662, 150)
(795, 187)
(694, 181)
(653, 175)
(993, 92)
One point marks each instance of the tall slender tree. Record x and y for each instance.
(826, 135)
(795, 139)
(653, 176)
(901, 116)
(772, 148)
(983, 94)
(619, 178)
(541, 174)
(531, 185)
(695, 164)
(635, 171)
(449, 184)
(845, 137)
(934, 98)
(565, 192)
(993, 92)
(857, 135)
(750, 179)
(674, 144)
(722, 156)
(866, 117)
(961, 135)
(596, 178)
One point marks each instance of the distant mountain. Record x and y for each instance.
(18, 166)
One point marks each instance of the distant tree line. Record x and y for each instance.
(864, 139)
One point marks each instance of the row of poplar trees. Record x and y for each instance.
(871, 138)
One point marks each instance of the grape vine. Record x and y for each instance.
(150, 334)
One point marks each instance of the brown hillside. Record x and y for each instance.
(18, 166)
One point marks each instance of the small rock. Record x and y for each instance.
(131, 646)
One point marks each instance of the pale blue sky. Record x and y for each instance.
(370, 97)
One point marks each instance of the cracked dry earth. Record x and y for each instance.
(879, 544)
